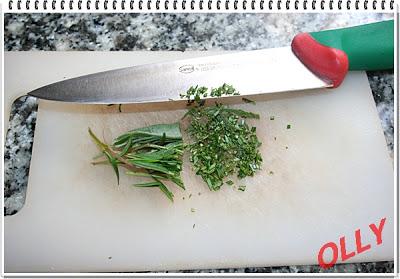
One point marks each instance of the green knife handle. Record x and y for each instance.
(368, 47)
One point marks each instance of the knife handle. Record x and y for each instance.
(330, 54)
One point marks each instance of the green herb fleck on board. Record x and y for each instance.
(242, 188)
(288, 126)
(192, 210)
(272, 118)
(229, 182)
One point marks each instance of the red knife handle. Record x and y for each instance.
(328, 63)
(330, 54)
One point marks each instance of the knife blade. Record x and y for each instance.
(251, 72)
(315, 60)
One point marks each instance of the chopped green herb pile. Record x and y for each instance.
(153, 152)
(222, 143)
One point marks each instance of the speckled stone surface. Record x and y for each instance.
(17, 153)
(169, 32)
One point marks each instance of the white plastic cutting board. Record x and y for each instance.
(332, 174)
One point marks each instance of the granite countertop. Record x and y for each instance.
(100, 32)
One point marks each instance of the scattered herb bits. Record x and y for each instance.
(153, 152)
(221, 141)
(242, 188)
(196, 93)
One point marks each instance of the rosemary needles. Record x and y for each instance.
(222, 143)
(153, 152)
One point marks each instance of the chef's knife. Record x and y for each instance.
(314, 60)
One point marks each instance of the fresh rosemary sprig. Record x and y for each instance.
(222, 143)
(153, 152)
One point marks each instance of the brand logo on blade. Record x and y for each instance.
(186, 69)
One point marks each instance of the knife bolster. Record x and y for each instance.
(329, 64)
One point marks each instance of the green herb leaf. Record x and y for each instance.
(99, 143)
(148, 184)
(114, 164)
(144, 174)
(167, 192)
(106, 151)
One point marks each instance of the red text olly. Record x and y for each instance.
(339, 249)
